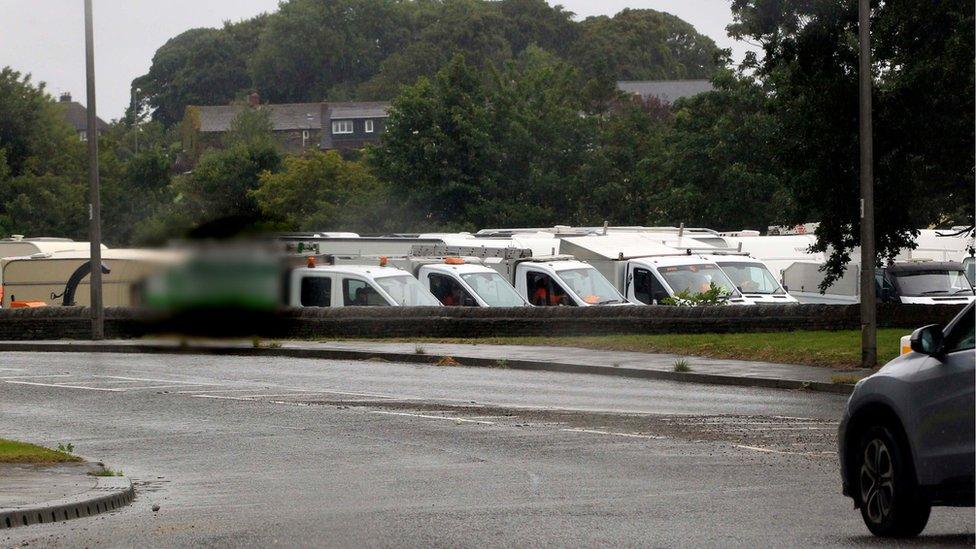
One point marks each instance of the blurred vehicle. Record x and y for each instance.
(906, 440)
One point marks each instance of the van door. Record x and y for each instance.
(544, 291)
(647, 288)
(360, 293)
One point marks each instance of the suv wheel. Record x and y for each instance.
(891, 505)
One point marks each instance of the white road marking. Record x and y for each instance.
(613, 433)
(31, 376)
(14, 369)
(64, 386)
(457, 419)
(783, 452)
(156, 380)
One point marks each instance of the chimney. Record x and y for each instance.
(254, 99)
(66, 97)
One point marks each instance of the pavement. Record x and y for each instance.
(36, 494)
(252, 450)
(528, 357)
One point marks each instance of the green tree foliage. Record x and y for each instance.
(644, 45)
(460, 151)
(199, 67)
(923, 112)
(321, 191)
(721, 170)
(314, 50)
(42, 169)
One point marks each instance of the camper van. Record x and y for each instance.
(19, 246)
(61, 278)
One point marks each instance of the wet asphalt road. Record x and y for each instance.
(293, 452)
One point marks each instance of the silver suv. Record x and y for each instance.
(907, 438)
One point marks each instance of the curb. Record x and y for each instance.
(344, 354)
(109, 494)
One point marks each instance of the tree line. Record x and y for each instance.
(536, 138)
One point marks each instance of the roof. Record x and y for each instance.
(667, 91)
(284, 117)
(925, 266)
(362, 109)
(368, 271)
(615, 246)
(76, 115)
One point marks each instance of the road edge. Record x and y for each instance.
(108, 494)
(348, 354)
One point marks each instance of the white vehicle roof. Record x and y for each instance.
(465, 268)
(731, 258)
(11, 247)
(565, 264)
(675, 260)
(138, 254)
(615, 245)
(365, 271)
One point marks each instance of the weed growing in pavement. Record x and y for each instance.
(849, 379)
(66, 448)
(615, 364)
(448, 361)
(501, 363)
(681, 365)
(106, 472)
(419, 350)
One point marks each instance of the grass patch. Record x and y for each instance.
(681, 366)
(848, 379)
(106, 472)
(837, 349)
(419, 350)
(12, 451)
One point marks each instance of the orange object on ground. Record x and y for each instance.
(26, 304)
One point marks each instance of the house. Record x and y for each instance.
(76, 115)
(296, 126)
(664, 91)
(353, 125)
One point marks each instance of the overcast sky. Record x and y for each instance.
(46, 37)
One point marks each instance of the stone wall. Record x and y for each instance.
(366, 322)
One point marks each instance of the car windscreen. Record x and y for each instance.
(751, 278)
(407, 291)
(493, 289)
(696, 279)
(934, 282)
(591, 286)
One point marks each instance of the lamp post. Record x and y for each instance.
(869, 312)
(94, 205)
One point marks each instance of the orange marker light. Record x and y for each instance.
(383, 260)
(454, 261)
(310, 262)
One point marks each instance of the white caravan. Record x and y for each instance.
(18, 246)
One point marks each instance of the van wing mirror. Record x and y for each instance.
(928, 340)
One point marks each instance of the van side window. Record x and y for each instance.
(546, 292)
(647, 288)
(449, 291)
(358, 293)
(316, 291)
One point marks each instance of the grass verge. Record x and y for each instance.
(835, 349)
(12, 451)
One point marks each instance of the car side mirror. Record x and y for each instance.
(928, 340)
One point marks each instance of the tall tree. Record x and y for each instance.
(924, 108)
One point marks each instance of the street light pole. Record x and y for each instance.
(869, 321)
(94, 205)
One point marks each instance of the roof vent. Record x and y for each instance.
(65, 97)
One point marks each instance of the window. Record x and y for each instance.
(407, 290)
(546, 292)
(696, 279)
(358, 293)
(751, 278)
(647, 288)
(493, 289)
(590, 286)
(963, 335)
(341, 126)
(449, 291)
(369, 126)
(83, 135)
(316, 291)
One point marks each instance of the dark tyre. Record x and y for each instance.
(891, 504)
